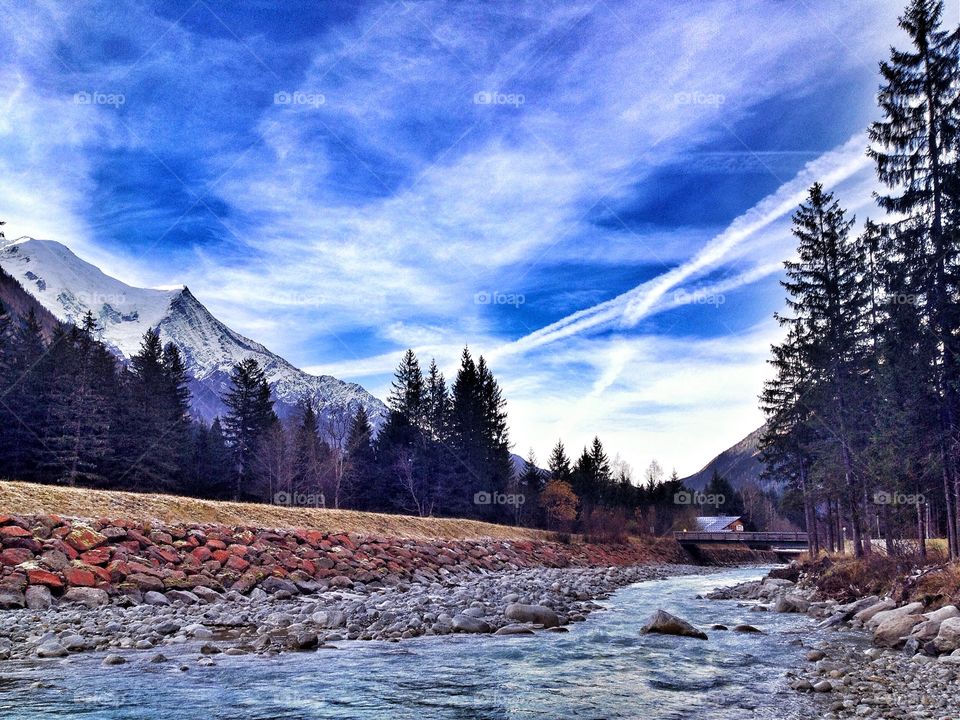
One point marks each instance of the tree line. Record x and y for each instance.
(862, 411)
(71, 413)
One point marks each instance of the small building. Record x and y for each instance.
(720, 523)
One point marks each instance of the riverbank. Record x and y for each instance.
(881, 657)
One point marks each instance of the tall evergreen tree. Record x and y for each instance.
(559, 463)
(829, 305)
(915, 146)
(250, 415)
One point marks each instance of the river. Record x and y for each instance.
(602, 668)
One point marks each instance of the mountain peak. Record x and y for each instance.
(69, 287)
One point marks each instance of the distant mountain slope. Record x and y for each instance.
(739, 464)
(18, 302)
(68, 287)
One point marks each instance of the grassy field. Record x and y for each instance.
(21, 498)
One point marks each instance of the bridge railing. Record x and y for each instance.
(741, 537)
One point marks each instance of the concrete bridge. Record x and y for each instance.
(780, 542)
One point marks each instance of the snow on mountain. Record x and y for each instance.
(68, 287)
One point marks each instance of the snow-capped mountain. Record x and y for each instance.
(68, 287)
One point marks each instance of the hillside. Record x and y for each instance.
(18, 302)
(20, 498)
(739, 464)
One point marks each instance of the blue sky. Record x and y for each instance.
(595, 195)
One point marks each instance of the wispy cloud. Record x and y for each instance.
(340, 182)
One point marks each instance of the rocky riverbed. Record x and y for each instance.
(71, 586)
(878, 658)
(202, 625)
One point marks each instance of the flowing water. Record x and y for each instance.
(602, 668)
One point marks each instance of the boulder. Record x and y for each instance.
(329, 618)
(881, 617)
(274, 584)
(926, 630)
(11, 599)
(114, 660)
(944, 613)
(863, 615)
(184, 596)
(152, 597)
(467, 624)
(791, 604)
(83, 538)
(893, 632)
(303, 641)
(744, 628)
(91, 597)
(948, 636)
(38, 597)
(664, 623)
(51, 649)
(537, 614)
(514, 629)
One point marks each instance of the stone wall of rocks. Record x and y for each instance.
(110, 560)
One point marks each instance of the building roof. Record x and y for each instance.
(716, 524)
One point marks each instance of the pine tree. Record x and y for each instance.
(76, 434)
(309, 458)
(559, 463)
(361, 462)
(408, 394)
(915, 149)
(438, 405)
(250, 415)
(829, 303)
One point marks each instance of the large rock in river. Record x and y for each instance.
(666, 624)
(467, 624)
(537, 614)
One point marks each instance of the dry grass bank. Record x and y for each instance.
(20, 498)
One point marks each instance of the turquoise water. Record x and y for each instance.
(601, 669)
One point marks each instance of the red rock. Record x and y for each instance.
(221, 556)
(100, 556)
(79, 577)
(202, 554)
(235, 562)
(14, 531)
(166, 554)
(15, 556)
(240, 550)
(35, 576)
(214, 544)
(84, 538)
